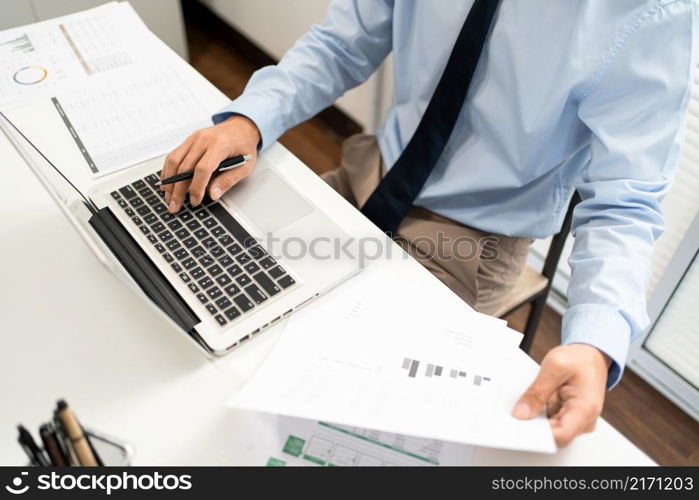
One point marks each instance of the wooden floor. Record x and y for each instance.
(642, 414)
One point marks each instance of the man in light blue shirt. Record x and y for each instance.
(586, 95)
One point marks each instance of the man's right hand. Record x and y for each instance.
(202, 152)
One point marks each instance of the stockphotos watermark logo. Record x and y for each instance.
(99, 483)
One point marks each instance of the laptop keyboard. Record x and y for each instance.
(224, 267)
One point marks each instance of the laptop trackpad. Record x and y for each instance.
(268, 201)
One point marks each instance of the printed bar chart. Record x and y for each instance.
(433, 370)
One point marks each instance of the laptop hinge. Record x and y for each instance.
(142, 270)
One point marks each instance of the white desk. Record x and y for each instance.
(138, 378)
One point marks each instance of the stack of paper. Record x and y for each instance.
(383, 358)
(119, 90)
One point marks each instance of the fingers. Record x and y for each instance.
(180, 190)
(202, 173)
(223, 182)
(572, 420)
(172, 163)
(554, 404)
(539, 392)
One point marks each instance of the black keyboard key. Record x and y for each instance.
(144, 210)
(136, 202)
(232, 289)
(243, 279)
(182, 234)
(129, 211)
(206, 261)
(173, 245)
(202, 298)
(276, 272)
(198, 251)
(165, 236)
(166, 216)
(168, 257)
(144, 229)
(175, 225)
(214, 292)
(189, 263)
(286, 281)
(185, 216)
(234, 270)
(215, 270)
(122, 203)
(217, 231)
(234, 249)
(145, 192)
(194, 288)
(201, 214)
(201, 233)
(181, 254)
(223, 303)
(152, 239)
(221, 320)
(139, 184)
(223, 280)
(257, 252)
(209, 222)
(190, 242)
(205, 282)
(115, 195)
(151, 219)
(265, 282)
(185, 277)
(232, 313)
(137, 220)
(217, 251)
(243, 258)
(243, 302)
(211, 308)
(233, 226)
(255, 293)
(193, 225)
(251, 267)
(127, 192)
(176, 267)
(161, 210)
(225, 240)
(209, 242)
(268, 262)
(197, 273)
(225, 260)
(158, 226)
(152, 179)
(160, 248)
(153, 200)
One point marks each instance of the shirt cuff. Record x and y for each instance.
(255, 108)
(602, 327)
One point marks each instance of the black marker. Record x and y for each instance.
(26, 441)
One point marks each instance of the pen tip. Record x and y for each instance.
(61, 404)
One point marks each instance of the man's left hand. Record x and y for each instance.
(572, 385)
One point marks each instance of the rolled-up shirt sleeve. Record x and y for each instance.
(635, 113)
(332, 57)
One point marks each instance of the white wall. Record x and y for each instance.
(274, 26)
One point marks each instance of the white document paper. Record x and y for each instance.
(396, 361)
(285, 441)
(42, 59)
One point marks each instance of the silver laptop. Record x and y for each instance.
(222, 271)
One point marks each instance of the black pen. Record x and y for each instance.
(228, 164)
(26, 441)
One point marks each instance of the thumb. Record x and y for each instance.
(226, 180)
(538, 393)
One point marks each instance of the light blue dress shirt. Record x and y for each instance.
(570, 94)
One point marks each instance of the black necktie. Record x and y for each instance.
(391, 200)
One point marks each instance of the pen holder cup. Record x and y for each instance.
(112, 452)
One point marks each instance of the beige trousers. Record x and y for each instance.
(478, 266)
